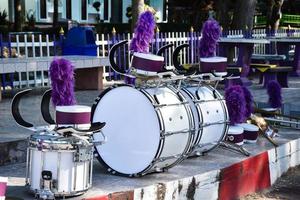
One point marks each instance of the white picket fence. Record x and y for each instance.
(38, 46)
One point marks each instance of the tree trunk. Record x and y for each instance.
(223, 16)
(243, 14)
(274, 14)
(18, 15)
(137, 8)
(55, 13)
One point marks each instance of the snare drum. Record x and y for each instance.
(147, 64)
(67, 162)
(78, 116)
(147, 130)
(210, 117)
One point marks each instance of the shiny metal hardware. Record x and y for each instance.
(169, 133)
(162, 159)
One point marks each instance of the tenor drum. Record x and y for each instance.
(66, 162)
(147, 130)
(147, 64)
(210, 117)
(78, 116)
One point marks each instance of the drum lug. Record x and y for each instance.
(82, 155)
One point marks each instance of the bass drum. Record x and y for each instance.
(147, 130)
(210, 117)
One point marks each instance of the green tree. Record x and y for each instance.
(137, 8)
(55, 13)
(274, 14)
(18, 15)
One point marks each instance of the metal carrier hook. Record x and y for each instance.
(163, 49)
(179, 68)
(95, 127)
(112, 61)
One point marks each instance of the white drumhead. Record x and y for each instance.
(73, 109)
(132, 130)
(249, 127)
(148, 56)
(190, 95)
(235, 130)
(213, 59)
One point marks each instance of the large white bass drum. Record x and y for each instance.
(147, 130)
(210, 117)
(58, 166)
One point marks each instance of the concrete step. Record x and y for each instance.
(222, 174)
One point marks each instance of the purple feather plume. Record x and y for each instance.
(211, 33)
(143, 33)
(274, 92)
(249, 102)
(62, 82)
(236, 104)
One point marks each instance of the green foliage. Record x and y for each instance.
(30, 19)
(3, 16)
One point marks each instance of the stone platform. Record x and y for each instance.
(222, 174)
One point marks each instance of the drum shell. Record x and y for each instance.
(164, 119)
(71, 172)
(211, 117)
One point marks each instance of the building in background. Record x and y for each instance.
(82, 11)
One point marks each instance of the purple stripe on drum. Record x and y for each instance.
(250, 135)
(211, 66)
(2, 189)
(147, 65)
(73, 118)
(236, 138)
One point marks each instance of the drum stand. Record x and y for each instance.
(234, 147)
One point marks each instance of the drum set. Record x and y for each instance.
(149, 127)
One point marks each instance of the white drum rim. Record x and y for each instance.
(106, 166)
(223, 105)
(199, 116)
(161, 142)
(149, 56)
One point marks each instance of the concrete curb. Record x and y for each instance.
(13, 152)
(248, 176)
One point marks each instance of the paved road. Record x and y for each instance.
(285, 188)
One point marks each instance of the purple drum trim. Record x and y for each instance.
(2, 189)
(250, 135)
(147, 65)
(236, 138)
(73, 118)
(213, 66)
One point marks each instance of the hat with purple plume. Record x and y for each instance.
(62, 82)
(143, 33)
(236, 104)
(274, 92)
(211, 33)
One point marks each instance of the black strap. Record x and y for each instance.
(45, 104)
(111, 56)
(15, 109)
(163, 48)
(175, 55)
